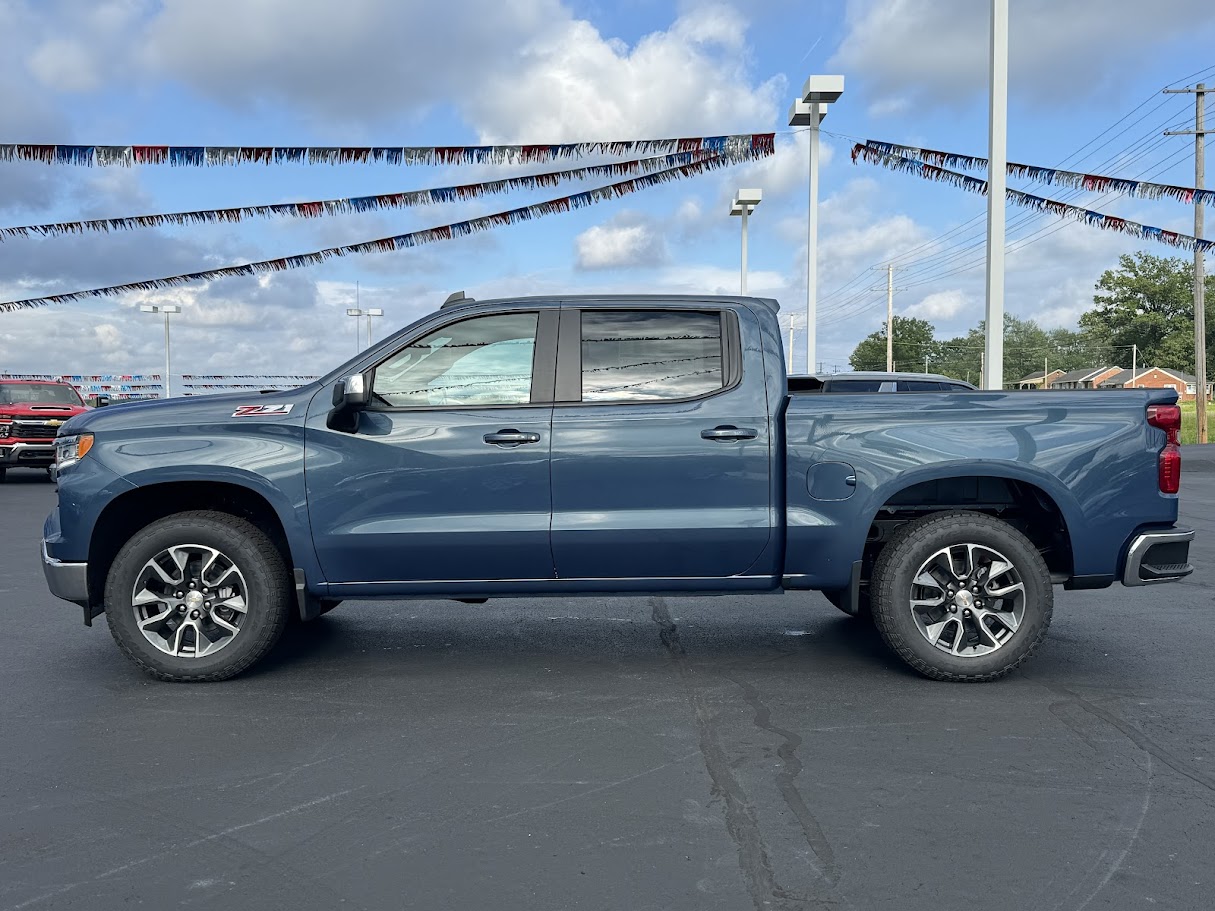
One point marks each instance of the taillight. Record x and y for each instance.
(1168, 419)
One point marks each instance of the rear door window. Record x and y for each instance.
(650, 355)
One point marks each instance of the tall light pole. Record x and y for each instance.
(166, 309)
(997, 162)
(817, 93)
(373, 311)
(356, 313)
(745, 202)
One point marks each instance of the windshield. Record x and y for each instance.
(38, 394)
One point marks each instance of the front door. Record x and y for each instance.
(660, 454)
(446, 477)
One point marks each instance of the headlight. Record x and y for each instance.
(4, 429)
(70, 450)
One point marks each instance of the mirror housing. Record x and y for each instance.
(102, 401)
(350, 396)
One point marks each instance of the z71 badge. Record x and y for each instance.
(256, 411)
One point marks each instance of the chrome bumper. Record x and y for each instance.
(33, 454)
(69, 581)
(1158, 556)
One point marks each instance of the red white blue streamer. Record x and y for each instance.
(217, 156)
(1096, 183)
(323, 207)
(974, 185)
(398, 241)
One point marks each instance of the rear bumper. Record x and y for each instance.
(1158, 556)
(35, 455)
(69, 581)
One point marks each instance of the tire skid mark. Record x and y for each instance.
(786, 782)
(1140, 739)
(741, 820)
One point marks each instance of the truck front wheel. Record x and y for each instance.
(961, 596)
(197, 596)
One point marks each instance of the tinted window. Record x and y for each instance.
(649, 355)
(481, 361)
(919, 386)
(854, 386)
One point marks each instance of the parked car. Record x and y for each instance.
(873, 381)
(31, 412)
(607, 445)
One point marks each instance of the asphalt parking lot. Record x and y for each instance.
(612, 754)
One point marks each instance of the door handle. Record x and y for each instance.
(510, 438)
(729, 434)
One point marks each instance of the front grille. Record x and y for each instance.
(27, 431)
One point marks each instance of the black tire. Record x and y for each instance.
(3, 474)
(905, 554)
(269, 597)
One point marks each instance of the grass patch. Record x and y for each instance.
(1189, 422)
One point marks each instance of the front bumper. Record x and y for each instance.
(34, 455)
(1158, 556)
(69, 581)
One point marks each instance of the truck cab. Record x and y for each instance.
(31, 413)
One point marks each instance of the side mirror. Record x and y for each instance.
(350, 396)
(102, 401)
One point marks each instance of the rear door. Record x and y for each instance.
(446, 478)
(660, 454)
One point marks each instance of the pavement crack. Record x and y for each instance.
(786, 782)
(742, 823)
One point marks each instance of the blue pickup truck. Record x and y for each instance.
(607, 445)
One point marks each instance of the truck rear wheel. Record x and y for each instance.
(961, 596)
(197, 596)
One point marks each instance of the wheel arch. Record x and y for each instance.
(1037, 504)
(136, 508)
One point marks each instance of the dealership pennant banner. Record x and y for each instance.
(975, 185)
(406, 199)
(398, 241)
(1097, 183)
(212, 156)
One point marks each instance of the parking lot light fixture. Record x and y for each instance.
(166, 309)
(809, 110)
(745, 202)
(356, 313)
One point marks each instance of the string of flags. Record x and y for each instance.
(974, 185)
(269, 377)
(405, 241)
(324, 207)
(213, 156)
(1097, 183)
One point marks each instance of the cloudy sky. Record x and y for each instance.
(1085, 94)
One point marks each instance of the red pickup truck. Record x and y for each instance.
(30, 414)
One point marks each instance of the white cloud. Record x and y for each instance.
(628, 240)
(934, 52)
(940, 305)
(571, 82)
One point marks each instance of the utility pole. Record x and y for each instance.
(1134, 362)
(890, 319)
(1200, 316)
(889, 268)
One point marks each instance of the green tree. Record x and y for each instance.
(1149, 301)
(1026, 347)
(913, 340)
